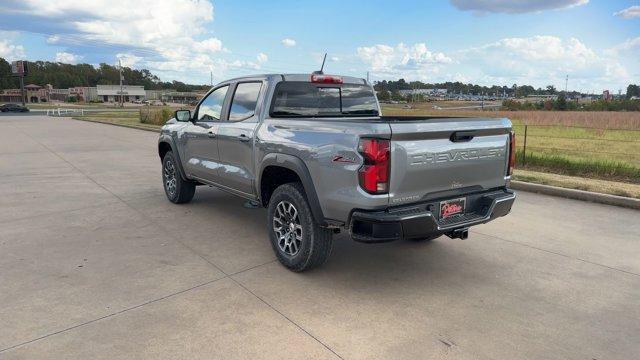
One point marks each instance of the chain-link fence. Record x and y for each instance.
(604, 152)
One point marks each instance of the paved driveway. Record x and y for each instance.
(96, 264)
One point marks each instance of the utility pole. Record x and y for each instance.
(211, 78)
(22, 94)
(121, 89)
(566, 81)
(367, 77)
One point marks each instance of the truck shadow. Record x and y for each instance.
(398, 264)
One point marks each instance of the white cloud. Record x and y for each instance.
(629, 13)
(8, 50)
(170, 37)
(67, 58)
(630, 45)
(541, 60)
(262, 57)
(288, 42)
(536, 60)
(514, 7)
(53, 39)
(128, 60)
(403, 60)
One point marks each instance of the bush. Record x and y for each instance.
(155, 116)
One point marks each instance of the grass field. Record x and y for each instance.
(602, 145)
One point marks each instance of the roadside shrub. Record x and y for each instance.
(155, 116)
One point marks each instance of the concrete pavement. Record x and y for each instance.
(96, 263)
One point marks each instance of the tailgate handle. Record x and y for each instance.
(462, 136)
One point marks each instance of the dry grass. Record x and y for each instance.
(572, 182)
(592, 119)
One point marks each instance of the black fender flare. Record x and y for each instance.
(165, 138)
(298, 166)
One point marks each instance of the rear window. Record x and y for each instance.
(294, 98)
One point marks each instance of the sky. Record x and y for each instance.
(595, 42)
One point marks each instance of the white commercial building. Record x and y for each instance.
(112, 93)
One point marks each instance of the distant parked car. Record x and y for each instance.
(13, 108)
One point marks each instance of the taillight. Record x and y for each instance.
(512, 152)
(374, 173)
(326, 79)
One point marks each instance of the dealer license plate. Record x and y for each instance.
(452, 207)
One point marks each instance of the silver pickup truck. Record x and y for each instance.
(315, 150)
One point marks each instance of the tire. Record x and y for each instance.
(299, 242)
(178, 190)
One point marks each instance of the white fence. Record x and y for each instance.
(64, 112)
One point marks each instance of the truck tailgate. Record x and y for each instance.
(442, 157)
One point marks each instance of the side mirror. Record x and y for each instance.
(183, 115)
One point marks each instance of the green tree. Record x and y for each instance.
(560, 103)
(384, 95)
(633, 90)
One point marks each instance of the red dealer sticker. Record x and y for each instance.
(452, 207)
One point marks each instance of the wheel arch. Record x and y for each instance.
(166, 144)
(298, 167)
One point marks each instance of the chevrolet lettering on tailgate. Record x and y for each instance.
(457, 155)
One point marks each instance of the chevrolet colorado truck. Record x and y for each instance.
(315, 150)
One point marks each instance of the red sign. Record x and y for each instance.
(19, 67)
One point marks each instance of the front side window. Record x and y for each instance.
(245, 99)
(211, 108)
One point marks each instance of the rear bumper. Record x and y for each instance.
(420, 221)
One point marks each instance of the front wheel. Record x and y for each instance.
(177, 189)
(298, 241)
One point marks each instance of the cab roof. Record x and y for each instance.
(295, 77)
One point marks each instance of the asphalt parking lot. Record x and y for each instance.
(95, 263)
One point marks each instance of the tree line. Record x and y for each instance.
(63, 76)
(389, 89)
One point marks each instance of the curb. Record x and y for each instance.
(121, 125)
(606, 199)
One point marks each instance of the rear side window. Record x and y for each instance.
(245, 99)
(293, 98)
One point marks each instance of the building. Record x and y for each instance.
(10, 96)
(181, 97)
(541, 97)
(425, 92)
(58, 94)
(111, 93)
(35, 93)
(86, 94)
(154, 94)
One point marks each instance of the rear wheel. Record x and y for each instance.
(177, 189)
(298, 241)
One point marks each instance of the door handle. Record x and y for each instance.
(243, 137)
(211, 135)
(462, 136)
